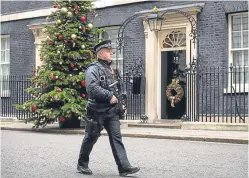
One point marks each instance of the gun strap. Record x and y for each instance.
(118, 74)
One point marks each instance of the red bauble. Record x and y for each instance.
(72, 66)
(75, 6)
(53, 77)
(51, 42)
(83, 18)
(33, 108)
(59, 90)
(83, 96)
(83, 83)
(62, 119)
(55, 6)
(60, 37)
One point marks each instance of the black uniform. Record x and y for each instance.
(98, 77)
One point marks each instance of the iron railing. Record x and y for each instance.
(135, 88)
(13, 92)
(217, 94)
(212, 94)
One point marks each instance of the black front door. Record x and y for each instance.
(173, 65)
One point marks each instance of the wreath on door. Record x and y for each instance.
(174, 86)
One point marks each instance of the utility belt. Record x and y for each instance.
(98, 109)
(93, 119)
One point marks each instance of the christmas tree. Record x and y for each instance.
(58, 88)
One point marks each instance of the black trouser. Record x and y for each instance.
(112, 126)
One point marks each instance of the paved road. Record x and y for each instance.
(26, 155)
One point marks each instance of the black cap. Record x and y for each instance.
(103, 44)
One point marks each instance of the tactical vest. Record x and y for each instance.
(105, 79)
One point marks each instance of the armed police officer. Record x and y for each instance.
(102, 111)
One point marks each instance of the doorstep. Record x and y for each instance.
(178, 124)
(215, 126)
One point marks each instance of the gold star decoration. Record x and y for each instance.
(155, 10)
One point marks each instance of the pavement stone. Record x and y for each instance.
(40, 155)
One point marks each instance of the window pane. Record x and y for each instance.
(245, 39)
(237, 58)
(3, 41)
(114, 34)
(5, 84)
(119, 53)
(237, 75)
(236, 40)
(2, 56)
(246, 75)
(246, 61)
(245, 22)
(240, 75)
(7, 43)
(120, 66)
(114, 56)
(111, 33)
(105, 35)
(5, 69)
(7, 56)
(236, 23)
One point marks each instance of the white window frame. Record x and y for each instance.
(4, 93)
(230, 58)
(114, 43)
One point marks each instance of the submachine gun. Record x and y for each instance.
(120, 95)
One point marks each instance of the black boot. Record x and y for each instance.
(128, 170)
(84, 169)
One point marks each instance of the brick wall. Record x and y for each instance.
(10, 7)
